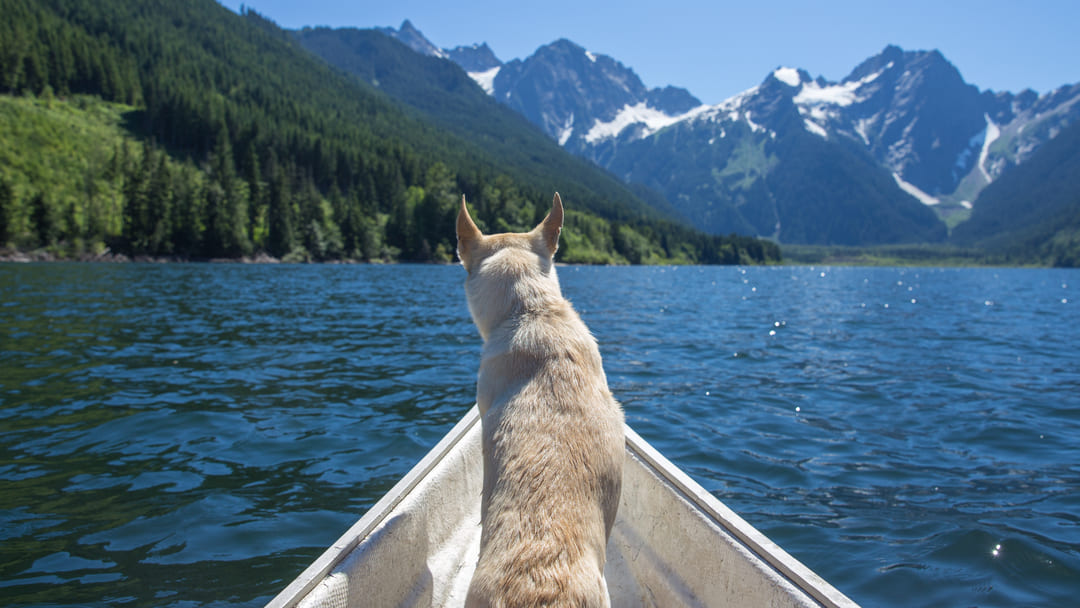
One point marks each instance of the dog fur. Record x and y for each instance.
(552, 432)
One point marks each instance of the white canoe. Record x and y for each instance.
(673, 543)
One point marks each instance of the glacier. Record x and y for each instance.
(914, 190)
(639, 113)
(486, 79)
(788, 76)
(992, 133)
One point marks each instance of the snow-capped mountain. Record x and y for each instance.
(568, 91)
(902, 131)
(942, 139)
(939, 136)
(576, 96)
(475, 59)
(414, 39)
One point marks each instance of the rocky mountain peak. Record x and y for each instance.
(474, 58)
(577, 96)
(414, 39)
(792, 77)
(891, 56)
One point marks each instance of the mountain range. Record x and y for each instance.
(899, 150)
(222, 135)
(180, 129)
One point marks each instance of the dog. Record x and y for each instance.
(552, 432)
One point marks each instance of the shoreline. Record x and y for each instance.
(820, 256)
(15, 256)
(26, 257)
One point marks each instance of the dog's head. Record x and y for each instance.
(508, 272)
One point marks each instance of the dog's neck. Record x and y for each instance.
(497, 298)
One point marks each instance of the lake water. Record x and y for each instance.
(186, 435)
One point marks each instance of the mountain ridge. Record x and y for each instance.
(443, 92)
(939, 139)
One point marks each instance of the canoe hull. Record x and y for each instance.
(673, 544)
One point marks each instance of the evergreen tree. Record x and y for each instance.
(94, 221)
(226, 230)
(345, 217)
(400, 230)
(7, 203)
(365, 222)
(136, 178)
(159, 203)
(312, 220)
(280, 237)
(257, 195)
(187, 213)
(43, 220)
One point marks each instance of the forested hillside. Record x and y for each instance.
(444, 93)
(177, 128)
(1032, 212)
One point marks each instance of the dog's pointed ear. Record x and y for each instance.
(467, 232)
(551, 227)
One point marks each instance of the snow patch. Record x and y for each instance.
(815, 128)
(754, 127)
(729, 106)
(914, 190)
(818, 113)
(591, 55)
(486, 79)
(567, 130)
(843, 94)
(788, 76)
(835, 94)
(861, 127)
(640, 113)
(992, 133)
(730, 110)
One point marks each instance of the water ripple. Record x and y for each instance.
(196, 434)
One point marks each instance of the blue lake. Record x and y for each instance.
(185, 435)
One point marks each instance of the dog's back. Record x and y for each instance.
(553, 434)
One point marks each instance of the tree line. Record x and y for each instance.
(248, 144)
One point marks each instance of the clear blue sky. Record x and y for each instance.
(716, 49)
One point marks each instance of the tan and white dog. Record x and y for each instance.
(552, 432)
